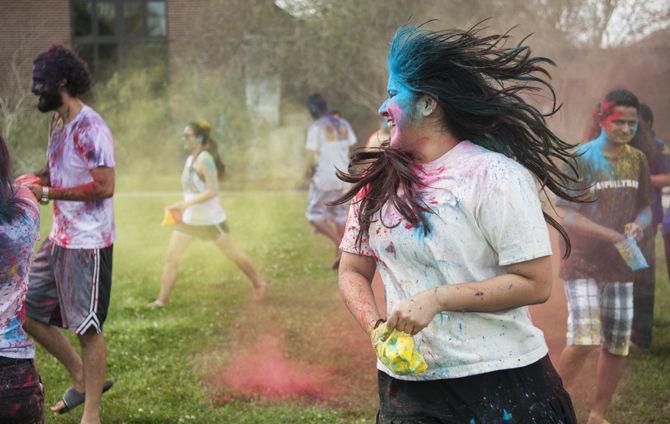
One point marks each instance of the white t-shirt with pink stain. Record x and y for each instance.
(74, 150)
(487, 215)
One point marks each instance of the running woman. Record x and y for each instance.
(450, 214)
(202, 215)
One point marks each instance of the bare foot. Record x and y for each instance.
(596, 419)
(155, 304)
(260, 290)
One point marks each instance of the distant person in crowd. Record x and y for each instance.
(21, 391)
(450, 215)
(200, 215)
(378, 137)
(658, 157)
(598, 281)
(71, 276)
(329, 139)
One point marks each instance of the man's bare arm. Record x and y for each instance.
(102, 187)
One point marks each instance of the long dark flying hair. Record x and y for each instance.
(9, 202)
(478, 83)
(202, 129)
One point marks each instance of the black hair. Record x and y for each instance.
(62, 64)
(620, 97)
(646, 114)
(478, 83)
(9, 202)
(644, 138)
(317, 105)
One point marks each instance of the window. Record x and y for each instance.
(156, 18)
(117, 35)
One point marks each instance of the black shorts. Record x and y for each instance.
(204, 232)
(21, 392)
(531, 394)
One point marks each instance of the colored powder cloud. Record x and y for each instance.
(263, 372)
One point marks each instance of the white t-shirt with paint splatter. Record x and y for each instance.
(74, 150)
(487, 215)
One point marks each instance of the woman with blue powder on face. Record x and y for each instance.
(200, 213)
(450, 215)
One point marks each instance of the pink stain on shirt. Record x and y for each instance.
(74, 150)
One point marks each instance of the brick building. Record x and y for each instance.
(104, 33)
(112, 35)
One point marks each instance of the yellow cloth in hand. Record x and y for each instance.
(168, 218)
(397, 351)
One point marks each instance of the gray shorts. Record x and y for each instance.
(600, 314)
(318, 210)
(204, 232)
(70, 288)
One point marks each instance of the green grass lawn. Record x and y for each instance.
(161, 360)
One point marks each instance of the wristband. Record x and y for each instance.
(44, 199)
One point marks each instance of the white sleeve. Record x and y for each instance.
(510, 215)
(313, 138)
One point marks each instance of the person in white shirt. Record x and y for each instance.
(329, 139)
(201, 215)
(450, 215)
(71, 275)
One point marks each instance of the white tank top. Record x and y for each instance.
(208, 212)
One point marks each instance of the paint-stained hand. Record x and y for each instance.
(27, 179)
(36, 189)
(632, 229)
(415, 313)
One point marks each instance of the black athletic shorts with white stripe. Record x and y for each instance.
(70, 288)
